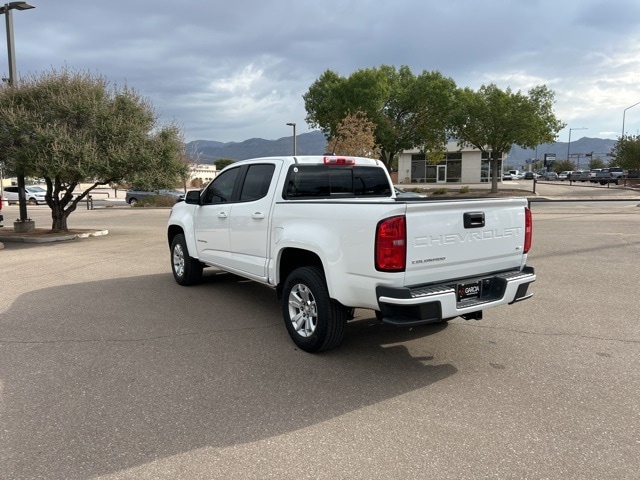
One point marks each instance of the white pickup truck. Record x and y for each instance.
(330, 235)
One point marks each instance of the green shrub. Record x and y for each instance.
(439, 191)
(465, 189)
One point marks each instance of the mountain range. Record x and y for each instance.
(578, 150)
(314, 143)
(206, 151)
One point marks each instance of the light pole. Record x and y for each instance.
(569, 144)
(623, 114)
(6, 10)
(294, 137)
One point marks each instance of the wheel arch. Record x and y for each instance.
(172, 231)
(292, 258)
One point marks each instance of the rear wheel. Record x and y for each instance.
(186, 270)
(314, 321)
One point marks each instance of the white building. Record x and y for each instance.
(460, 165)
(203, 171)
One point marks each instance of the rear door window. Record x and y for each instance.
(256, 182)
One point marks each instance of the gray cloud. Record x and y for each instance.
(235, 70)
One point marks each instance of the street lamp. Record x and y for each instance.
(623, 114)
(294, 137)
(569, 144)
(6, 10)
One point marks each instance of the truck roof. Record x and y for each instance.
(318, 159)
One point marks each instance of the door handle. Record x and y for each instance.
(258, 215)
(222, 214)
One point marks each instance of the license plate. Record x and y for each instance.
(468, 290)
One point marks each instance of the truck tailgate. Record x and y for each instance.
(463, 238)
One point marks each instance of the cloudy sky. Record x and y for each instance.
(234, 70)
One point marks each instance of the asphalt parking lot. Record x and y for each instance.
(110, 370)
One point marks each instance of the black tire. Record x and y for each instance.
(133, 201)
(186, 270)
(32, 201)
(314, 321)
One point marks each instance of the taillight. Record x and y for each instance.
(339, 161)
(391, 245)
(528, 229)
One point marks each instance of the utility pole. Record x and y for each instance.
(23, 224)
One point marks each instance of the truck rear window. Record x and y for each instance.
(324, 181)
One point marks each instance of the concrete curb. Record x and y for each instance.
(26, 238)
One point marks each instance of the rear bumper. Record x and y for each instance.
(434, 303)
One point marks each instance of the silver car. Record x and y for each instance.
(134, 196)
(34, 194)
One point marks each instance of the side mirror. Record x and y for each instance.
(192, 197)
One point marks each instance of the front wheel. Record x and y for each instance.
(186, 270)
(314, 321)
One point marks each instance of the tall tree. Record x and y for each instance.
(223, 162)
(355, 137)
(70, 127)
(596, 162)
(627, 152)
(493, 120)
(407, 110)
(563, 166)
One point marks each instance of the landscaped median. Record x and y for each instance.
(43, 235)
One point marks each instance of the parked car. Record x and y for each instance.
(507, 176)
(593, 173)
(134, 196)
(616, 172)
(609, 175)
(34, 194)
(575, 176)
(550, 176)
(584, 176)
(564, 175)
